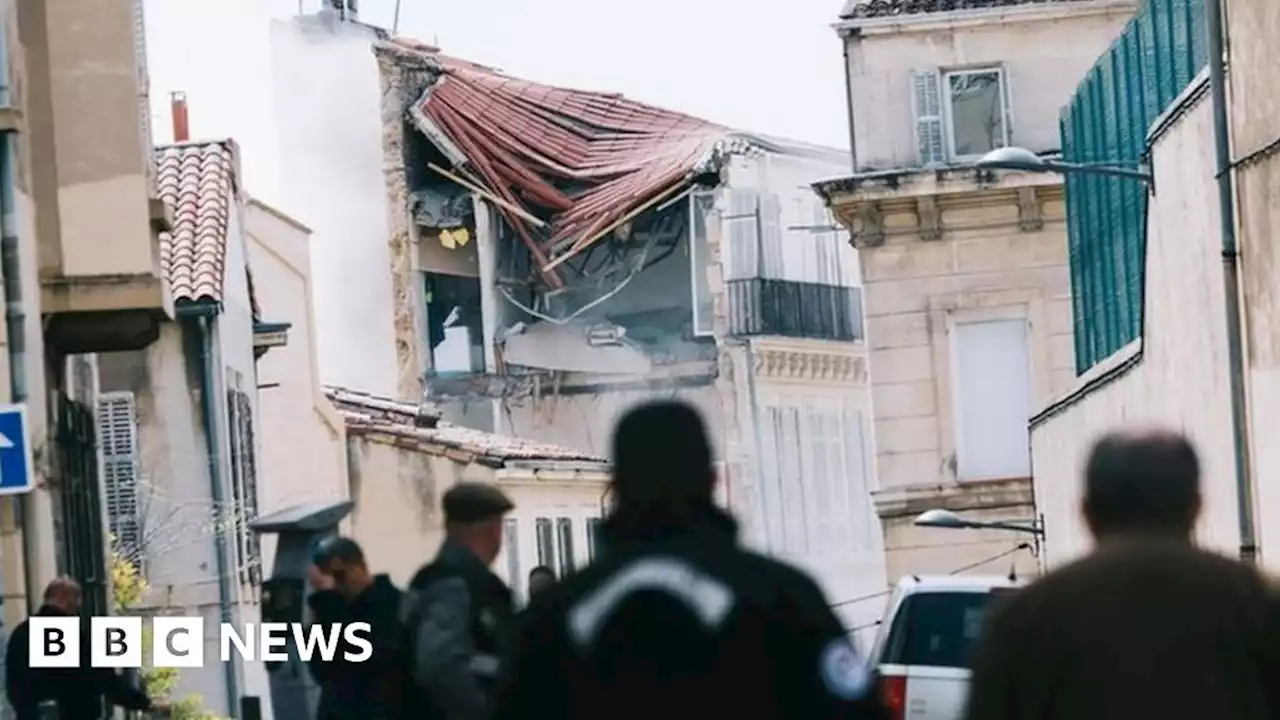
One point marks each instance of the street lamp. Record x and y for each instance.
(939, 518)
(1016, 158)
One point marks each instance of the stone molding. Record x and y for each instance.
(810, 364)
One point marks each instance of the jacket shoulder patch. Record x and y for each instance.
(843, 673)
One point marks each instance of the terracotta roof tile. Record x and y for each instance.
(374, 415)
(198, 180)
(855, 9)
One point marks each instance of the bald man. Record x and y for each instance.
(1147, 625)
(78, 692)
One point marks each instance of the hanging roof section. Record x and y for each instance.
(568, 165)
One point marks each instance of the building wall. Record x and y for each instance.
(1255, 103)
(1179, 376)
(286, 89)
(585, 422)
(1045, 51)
(917, 290)
(399, 523)
(303, 438)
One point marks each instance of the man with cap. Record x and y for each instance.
(459, 614)
(678, 620)
(345, 591)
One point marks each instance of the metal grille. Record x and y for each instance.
(84, 549)
(1149, 65)
(244, 485)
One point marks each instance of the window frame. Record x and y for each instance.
(948, 114)
(545, 555)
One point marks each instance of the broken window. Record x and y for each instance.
(977, 110)
(700, 203)
(455, 329)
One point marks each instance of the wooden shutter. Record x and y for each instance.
(118, 438)
(511, 548)
(927, 105)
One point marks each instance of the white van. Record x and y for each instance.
(922, 650)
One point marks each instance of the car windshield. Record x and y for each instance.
(937, 629)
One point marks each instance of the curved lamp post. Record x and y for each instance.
(1016, 158)
(939, 518)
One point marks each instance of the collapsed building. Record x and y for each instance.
(558, 255)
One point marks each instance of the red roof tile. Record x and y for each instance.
(198, 181)
(373, 415)
(584, 160)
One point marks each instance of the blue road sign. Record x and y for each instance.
(15, 451)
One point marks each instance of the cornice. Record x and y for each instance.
(818, 364)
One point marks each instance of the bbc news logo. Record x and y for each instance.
(179, 642)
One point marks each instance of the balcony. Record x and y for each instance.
(784, 308)
(97, 218)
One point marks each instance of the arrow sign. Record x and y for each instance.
(15, 451)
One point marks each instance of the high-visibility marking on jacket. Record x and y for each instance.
(704, 595)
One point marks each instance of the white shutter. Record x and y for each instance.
(118, 438)
(991, 386)
(1006, 98)
(857, 471)
(771, 236)
(743, 247)
(927, 104)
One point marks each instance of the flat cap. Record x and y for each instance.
(469, 502)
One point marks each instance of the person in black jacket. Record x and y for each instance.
(540, 578)
(678, 620)
(459, 614)
(346, 592)
(1147, 624)
(78, 692)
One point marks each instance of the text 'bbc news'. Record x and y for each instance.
(180, 642)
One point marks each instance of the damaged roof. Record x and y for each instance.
(857, 9)
(367, 414)
(198, 180)
(581, 163)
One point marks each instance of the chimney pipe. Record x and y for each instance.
(181, 126)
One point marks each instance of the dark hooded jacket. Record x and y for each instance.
(371, 690)
(676, 620)
(79, 692)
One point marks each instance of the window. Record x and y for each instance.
(593, 538)
(454, 327)
(118, 438)
(511, 548)
(936, 629)
(960, 114)
(700, 203)
(546, 542)
(244, 486)
(991, 397)
(564, 546)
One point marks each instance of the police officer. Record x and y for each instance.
(345, 591)
(1147, 625)
(678, 620)
(459, 614)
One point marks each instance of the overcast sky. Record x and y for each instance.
(769, 67)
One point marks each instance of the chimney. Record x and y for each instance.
(181, 127)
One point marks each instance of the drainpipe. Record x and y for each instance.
(15, 321)
(1231, 281)
(205, 315)
(845, 37)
